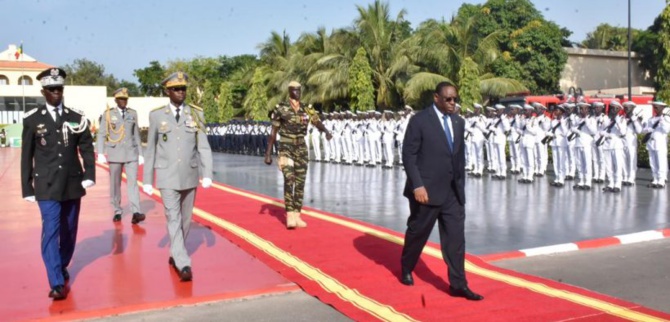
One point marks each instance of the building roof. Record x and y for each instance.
(23, 65)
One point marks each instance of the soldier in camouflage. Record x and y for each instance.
(290, 121)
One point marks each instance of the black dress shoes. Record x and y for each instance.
(117, 218)
(137, 218)
(406, 278)
(66, 274)
(466, 293)
(57, 293)
(185, 274)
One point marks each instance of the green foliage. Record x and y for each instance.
(150, 79)
(256, 103)
(531, 46)
(208, 103)
(133, 89)
(226, 109)
(609, 37)
(361, 90)
(469, 84)
(663, 53)
(89, 73)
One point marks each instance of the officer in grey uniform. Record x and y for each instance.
(178, 152)
(119, 144)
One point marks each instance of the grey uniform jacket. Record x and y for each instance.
(123, 143)
(178, 152)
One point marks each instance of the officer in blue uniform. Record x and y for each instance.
(54, 137)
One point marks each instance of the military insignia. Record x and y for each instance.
(43, 142)
(73, 124)
(54, 72)
(75, 110)
(164, 137)
(114, 118)
(41, 129)
(163, 127)
(31, 112)
(44, 112)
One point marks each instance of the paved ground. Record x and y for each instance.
(501, 215)
(297, 306)
(638, 273)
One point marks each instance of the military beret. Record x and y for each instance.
(52, 77)
(294, 84)
(121, 93)
(175, 79)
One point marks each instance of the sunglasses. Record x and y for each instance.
(178, 89)
(449, 99)
(54, 89)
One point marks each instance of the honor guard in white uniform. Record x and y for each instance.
(630, 143)
(387, 125)
(500, 125)
(611, 140)
(177, 153)
(528, 131)
(559, 146)
(571, 167)
(541, 152)
(54, 138)
(119, 144)
(598, 158)
(656, 140)
(582, 134)
(513, 134)
(477, 125)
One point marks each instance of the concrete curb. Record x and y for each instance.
(642, 236)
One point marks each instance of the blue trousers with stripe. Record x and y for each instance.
(59, 235)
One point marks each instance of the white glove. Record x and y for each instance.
(101, 158)
(87, 184)
(148, 189)
(206, 182)
(29, 198)
(141, 161)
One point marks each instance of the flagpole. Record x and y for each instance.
(23, 82)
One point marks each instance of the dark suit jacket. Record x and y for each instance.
(428, 161)
(49, 169)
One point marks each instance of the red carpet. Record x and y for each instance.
(353, 266)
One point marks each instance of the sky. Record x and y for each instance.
(126, 35)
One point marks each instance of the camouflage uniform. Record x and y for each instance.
(293, 154)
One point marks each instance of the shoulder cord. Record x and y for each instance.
(74, 129)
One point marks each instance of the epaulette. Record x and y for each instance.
(31, 112)
(196, 107)
(310, 110)
(157, 108)
(80, 112)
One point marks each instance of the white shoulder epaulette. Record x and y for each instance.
(31, 112)
(80, 112)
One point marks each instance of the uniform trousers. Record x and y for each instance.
(316, 144)
(477, 156)
(658, 161)
(598, 163)
(613, 167)
(528, 161)
(515, 155)
(541, 158)
(115, 176)
(585, 161)
(559, 156)
(630, 161)
(60, 220)
(178, 206)
(499, 157)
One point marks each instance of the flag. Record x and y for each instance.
(19, 51)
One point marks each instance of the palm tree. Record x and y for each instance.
(382, 39)
(450, 51)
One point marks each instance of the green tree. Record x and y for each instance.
(609, 37)
(531, 46)
(89, 73)
(208, 101)
(469, 84)
(150, 79)
(226, 109)
(361, 90)
(381, 38)
(256, 103)
(663, 54)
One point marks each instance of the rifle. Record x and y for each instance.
(573, 135)
(548, 138)
(511, 125)
(490, 132)
(601, 139)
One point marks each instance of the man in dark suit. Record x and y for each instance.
(434, 158)
(52, 174)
